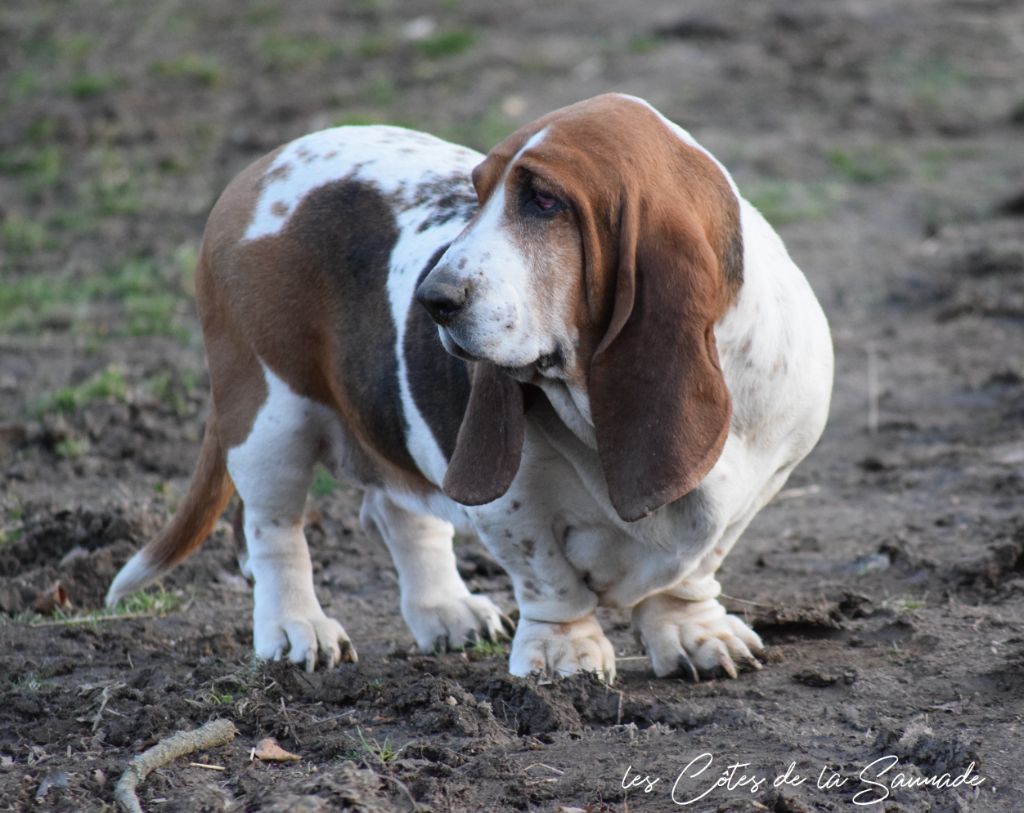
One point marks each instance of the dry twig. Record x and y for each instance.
(214, 733)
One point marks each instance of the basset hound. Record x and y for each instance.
(586, 348)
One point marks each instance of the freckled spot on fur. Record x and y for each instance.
(563, 629)
(563, 592)
(745, 347)
(508, 534)
(280, 208)
(529, 546)
(331, 154)
(516, 505)
(462, 263)
(530, 585)
(257, 532)
(720, 552)
(280, 173)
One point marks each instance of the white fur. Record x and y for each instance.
(369, 153)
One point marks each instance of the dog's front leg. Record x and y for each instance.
(436, 604)
(558, 632)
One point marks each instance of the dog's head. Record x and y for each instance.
(606, 248)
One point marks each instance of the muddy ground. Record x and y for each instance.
(885, 140)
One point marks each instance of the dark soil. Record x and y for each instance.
(886, 140)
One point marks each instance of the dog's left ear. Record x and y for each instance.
(490, 441)
(659, 402)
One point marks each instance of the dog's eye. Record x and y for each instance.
(541, 203)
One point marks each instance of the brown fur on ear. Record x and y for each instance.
(659, 402)
(490, 442)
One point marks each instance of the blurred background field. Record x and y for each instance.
(884, 139)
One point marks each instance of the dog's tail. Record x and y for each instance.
(208, 494)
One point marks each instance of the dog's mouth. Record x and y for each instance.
(544, 364)
(456, 349)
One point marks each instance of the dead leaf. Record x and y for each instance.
(269, 750)
(52, 598)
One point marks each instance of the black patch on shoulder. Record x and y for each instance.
(449, 196)
(347, 232)
(439, 382)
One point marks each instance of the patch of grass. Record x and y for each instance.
(147, 301)
(447, 43)
(871, 165)
(72, 447)
(263, 13)
(480, 133)
(147, 602)
(9, 536)
(488, 649)
(28, 683)
(153, 314)
(39, 168)
(374, 752)
(190, 67)
(20, 235)
(172, 389)
(114, 193)
(324, 483)
(90, 85)
(75, 47)
(783, 202)
(285, 51)
(106, 385)
(642, 44)
(376, 45)
(154, 603)
(380, 89)
(21, 85)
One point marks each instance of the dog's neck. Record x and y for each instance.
(573, 407)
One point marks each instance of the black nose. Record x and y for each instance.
(442, 300)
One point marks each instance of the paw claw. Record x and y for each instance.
(304, 641)
(562, 649)
(694, 638)
(459, 623)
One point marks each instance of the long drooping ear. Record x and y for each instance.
(659, 402)
(490, 441)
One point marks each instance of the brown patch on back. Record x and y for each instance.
(311, 303)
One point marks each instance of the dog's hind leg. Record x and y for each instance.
(272, 470)
(436, 604)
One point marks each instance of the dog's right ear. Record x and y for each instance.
(489, 446)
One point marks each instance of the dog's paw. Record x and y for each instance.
(562, 649)
(303, 639)
(456, 624)
(694, 639)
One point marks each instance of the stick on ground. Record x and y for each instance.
(214, 733)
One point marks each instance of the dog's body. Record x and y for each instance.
(642, 366)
